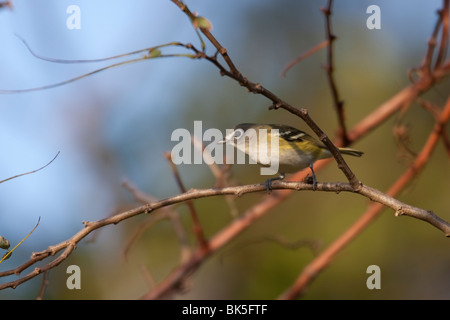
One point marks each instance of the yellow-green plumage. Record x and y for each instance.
(297, 149)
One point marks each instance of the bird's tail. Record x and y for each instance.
(351, 152)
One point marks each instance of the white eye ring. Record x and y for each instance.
(238, 133)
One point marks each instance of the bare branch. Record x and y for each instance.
(338, 103)
(43, 286)
(198, 230)
(30, 172)
(300, 58)
(12, 250)
(392, 105)
(152, 53)
(444, 15)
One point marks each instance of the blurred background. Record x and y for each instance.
(116, 125)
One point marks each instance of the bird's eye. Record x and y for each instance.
(238, 133)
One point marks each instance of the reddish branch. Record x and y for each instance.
(444, 17)
(198, 230)
(297, 60)
(329, 68)
(311, 271)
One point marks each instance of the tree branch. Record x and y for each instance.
(300, 58)
(220, 239)
(329, 68)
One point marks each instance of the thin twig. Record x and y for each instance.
(148, 56)
(221, 50)
(44, 285)
(426, 65)
(219, 174)
(30, 172)
(329, 68)
(392, 105)
(443, 47)
(198, 230)
(147, 276)
(77, 61)
(167, 213)
(313, 245)
(5, 256)
(300, 58)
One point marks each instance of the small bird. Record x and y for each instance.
(296, 149)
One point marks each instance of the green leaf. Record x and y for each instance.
(153, 53)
